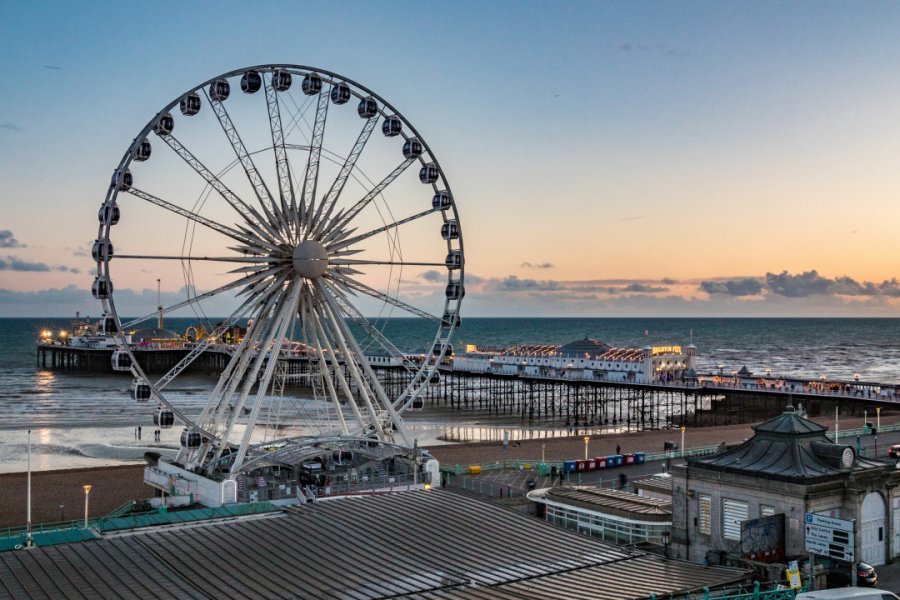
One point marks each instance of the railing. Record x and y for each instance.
(755, 593)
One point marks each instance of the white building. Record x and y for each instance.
(586, 359)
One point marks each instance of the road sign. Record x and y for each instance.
(831, 537)
(835, 551)
(831, 522)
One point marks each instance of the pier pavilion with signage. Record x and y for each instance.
(750, 501)
(586, 359)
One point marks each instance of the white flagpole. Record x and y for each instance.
(28, 526)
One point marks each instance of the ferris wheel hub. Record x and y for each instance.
(310, 259)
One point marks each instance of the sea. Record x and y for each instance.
(84, 420)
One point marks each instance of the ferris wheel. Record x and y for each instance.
(281, 194)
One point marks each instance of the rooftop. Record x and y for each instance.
(416, 545)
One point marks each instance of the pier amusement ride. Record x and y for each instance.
(301, 183)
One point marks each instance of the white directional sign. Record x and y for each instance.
(831, 537)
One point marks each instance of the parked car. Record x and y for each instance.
(894, 451)
(849, 593)
(839, 575)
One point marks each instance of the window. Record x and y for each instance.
(705, 514)
(766, 510)
(733, 512)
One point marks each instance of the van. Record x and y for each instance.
(848, 593)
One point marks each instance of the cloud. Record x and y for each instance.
(514, 284)
(8, 240)
(797, 286)
(634, 218)
(667, 281)
(9, 126)
(434, 275)
(53, 67)
(640, 288)
(14, 263)
(528, 265)
(733, 287)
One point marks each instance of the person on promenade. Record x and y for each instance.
(618, 449)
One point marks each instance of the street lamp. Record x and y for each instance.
(666, 538)
(62, 513)
(543, 448)
(878, 417)
(87, 492)
(587, 440)
(682, 439)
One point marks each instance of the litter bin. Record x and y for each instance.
(543, 469)
(591, 465)
(601, 462)
(475, 469)
(569, 466)
(628, 458)
(580, 465)
(639, 457)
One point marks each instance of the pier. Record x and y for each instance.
(573, 399)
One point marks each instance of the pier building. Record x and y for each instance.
(582, 359)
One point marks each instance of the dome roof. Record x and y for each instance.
(579, 348)
(153, 334)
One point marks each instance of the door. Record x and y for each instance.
(873, 529)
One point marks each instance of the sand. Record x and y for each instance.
(112, 486)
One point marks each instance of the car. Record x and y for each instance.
(850, 593)
(894, 451)
(839, 575)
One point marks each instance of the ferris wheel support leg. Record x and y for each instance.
(286, 317)
(325, 373)
(336, 366)
(250, 378)
(367, 369)
(334, 318)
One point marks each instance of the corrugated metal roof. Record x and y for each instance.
(417, 545)
(614, 502)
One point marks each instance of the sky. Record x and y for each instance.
(607, 158)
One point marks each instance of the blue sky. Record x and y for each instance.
(607, 158)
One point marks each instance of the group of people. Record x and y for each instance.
(157, 434)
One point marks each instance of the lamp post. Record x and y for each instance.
(682, 439)
(543, 448)
(28, 541)
(587, 440)
(87, 493)
(878, 417)
(666, 538)
(62, 513)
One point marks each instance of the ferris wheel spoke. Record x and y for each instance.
(363, 386)
(325, 372)
(329, 350)
(356, 286)
(338, 224)
(339, 243)
(251, 216)
(234, 259)
(310, 180)
(398, 263)
(353, 313)
(285, 182)
(285, 318)
(361, 363)
(266, 201)
(327, 205)
(234, 369)
(223, 229)
(243, 281)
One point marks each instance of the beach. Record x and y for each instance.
(114, 485)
